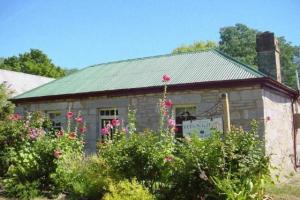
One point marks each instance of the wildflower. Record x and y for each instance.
(79, 119)
(169, 158)
(33, 133)
(59, 133)
(166, 78)
(57, 153)
(70, 114)
(168, 103)
(109, 126)
(105, 131)
(82, 129)
(115, 122)
(171, 123)
(15, 117)
(72, 135)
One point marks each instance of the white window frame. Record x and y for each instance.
(59, 127)
(109, 117)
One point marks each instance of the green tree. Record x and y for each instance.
(33, 62)
(6, 107)
(288, 67)
(239, 41)
(196, 46)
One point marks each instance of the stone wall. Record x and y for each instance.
(279, 131)
(245, 104)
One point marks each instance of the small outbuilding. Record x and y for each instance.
(18, 82)
(105, 91)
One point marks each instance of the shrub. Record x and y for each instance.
(141, 156)
(30, 155)
(82, 177)
(6, 107)
(127, 190)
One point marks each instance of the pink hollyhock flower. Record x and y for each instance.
(82, 129)
(15, 117)
(115, 122)
(72, 136)
(79, 119)
(57, 153)
(70, 115)
(169, 158)
(109, 126)
(171, 123)
(166, 78)
(168, 103)
(105, 131)
(59, 133)
(33, 133)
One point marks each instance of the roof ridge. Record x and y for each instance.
(149, 57)
(246, 66)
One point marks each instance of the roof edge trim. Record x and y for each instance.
(265, 81)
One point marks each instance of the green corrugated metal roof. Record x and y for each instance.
(183, 68)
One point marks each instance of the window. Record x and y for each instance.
(56, 118)
(183, 113)
(107, 115)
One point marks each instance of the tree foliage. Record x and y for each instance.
(33, 62)
(196, 46)
(6, 107)
(239, 42)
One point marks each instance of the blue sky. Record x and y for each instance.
(78, 33)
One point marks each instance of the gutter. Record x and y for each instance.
(263, 81)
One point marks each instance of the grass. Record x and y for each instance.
(288, 190)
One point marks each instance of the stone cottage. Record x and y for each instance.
(104, 91)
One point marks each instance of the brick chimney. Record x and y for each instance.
(268, 53)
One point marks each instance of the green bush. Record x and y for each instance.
(141, 156)
(192, 168)
(128, 190)
(86, 178)
(30, 155)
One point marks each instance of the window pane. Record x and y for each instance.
(183, 114)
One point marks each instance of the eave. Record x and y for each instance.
(263, 82)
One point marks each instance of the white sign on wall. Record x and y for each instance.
(202, 127)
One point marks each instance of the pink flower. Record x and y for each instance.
(82, 129)
(115, 122)
(57, 153)
(168, 103)
(59, 133)
(109, 126)
(105, 131)
(15, 117)
(33, 133)
(79, 119)
(69, 115)
(72, 136)
(166, 78)
(169, 158)
(171, 123)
